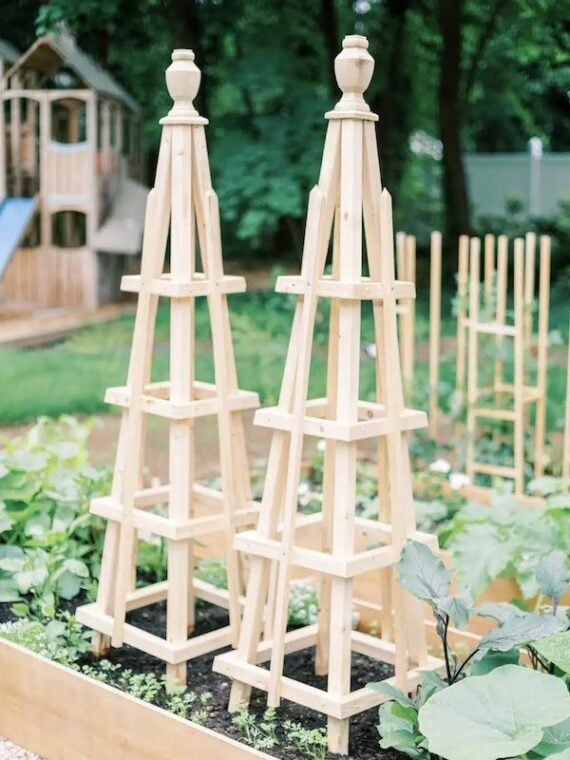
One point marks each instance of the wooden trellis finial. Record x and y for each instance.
(183, 82)
(353, 69)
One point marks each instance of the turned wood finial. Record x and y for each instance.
(183, 82)
(353, 68)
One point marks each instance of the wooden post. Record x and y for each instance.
(501, 304)
(520, 299)
(183, 201)
(434, 331)
(406, 261)
(566, 442)
(472, 351)
(462, 289)
(350, 182)
(542, 359)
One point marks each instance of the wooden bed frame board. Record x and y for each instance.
(63, 715)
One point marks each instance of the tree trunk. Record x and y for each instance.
(330, 31)
(455, 196)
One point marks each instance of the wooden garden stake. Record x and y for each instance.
(406, 268)
(566, 444)
(183, 202)
(348, 198)
(462, 274)
(434, 331)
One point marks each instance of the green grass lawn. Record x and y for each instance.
(71, 376)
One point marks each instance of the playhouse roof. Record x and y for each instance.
(48, 53)
(8, 52)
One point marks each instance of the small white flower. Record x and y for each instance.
(303, 489)
(321, 445)
(440, 465)
(458, 480)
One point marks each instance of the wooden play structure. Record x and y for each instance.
(348, 194)
(71, 206)
(483, 308)
(180, 512)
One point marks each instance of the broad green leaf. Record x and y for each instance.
(422, 573)
(480, 554)
(499, 611)
(555, 741)
(553, 574)
(77, 567)
(9, 590)
(457, 607)
(28, 461)
(68, 585)
(6, 521)
(12, 564)
(392, 692)
(556, 649)
(491, 716)
(518, 631)
(492, 660)
(430, 683)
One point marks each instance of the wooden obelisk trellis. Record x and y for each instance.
(349, 192)
(183, 201)
(503, 398)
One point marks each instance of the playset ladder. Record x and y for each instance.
(491, 401)
(184, 203)
(348, 196)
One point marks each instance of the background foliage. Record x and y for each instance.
(478, 76)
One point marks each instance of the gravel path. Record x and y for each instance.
(9, 751)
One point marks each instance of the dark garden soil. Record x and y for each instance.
(299, 665)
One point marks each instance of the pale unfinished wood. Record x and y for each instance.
(58, 713)
(184, 203)
(566, 441)
(434, 330)
(348, 198)
(492, 321)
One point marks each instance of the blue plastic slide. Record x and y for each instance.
(15, 216)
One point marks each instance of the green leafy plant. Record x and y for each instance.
(493, 721)
(505, 541)
(259, 733)
(62, 639)
(309, 742)
(50, 547)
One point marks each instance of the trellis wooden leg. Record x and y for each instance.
(322, 646)
(434, 331)
(542, 362)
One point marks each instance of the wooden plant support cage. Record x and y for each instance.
(184, 201)
(500, 399)
(349, 193)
